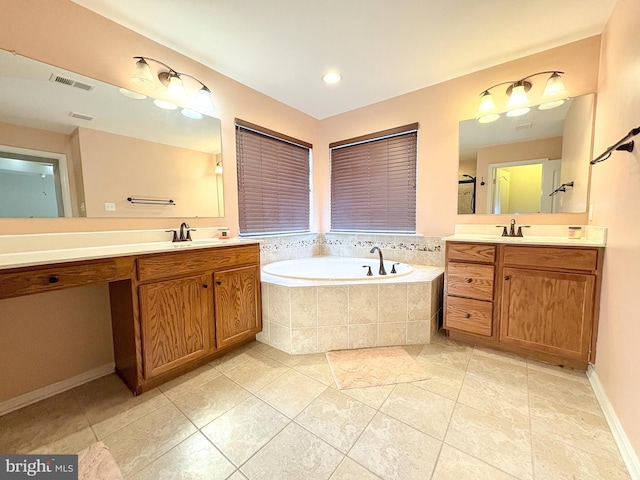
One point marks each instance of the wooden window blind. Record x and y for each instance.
(373, 182)
(273, 181)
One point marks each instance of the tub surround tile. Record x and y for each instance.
(418, 333)
(304, 307)
(280, 337)
(419, 306)
(280, 305)
(363, 335)
(333, 338)
(333, 306)
(361, 307)
(392, 334)
(304, 340)
(392, 303)
(193, 458)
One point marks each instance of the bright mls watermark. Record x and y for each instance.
(49, 467)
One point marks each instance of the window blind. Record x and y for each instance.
(273, 181)
(373, 182)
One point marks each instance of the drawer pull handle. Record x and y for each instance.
(507, 277)
(218, 282)
(53, 279)
(205, 285)
(469, 280)
(468, 315)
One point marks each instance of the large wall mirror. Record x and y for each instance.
(535, 163)
(74, 146)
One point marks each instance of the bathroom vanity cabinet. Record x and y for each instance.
(539, 301)
(171, 311)
(181, 309)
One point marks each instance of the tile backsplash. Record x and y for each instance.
(412, 249)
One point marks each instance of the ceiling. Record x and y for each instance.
(382, 48)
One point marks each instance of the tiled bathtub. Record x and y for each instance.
(311, 316)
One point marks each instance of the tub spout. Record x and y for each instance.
(382, 271)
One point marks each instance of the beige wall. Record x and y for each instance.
(152, 170)
(615, 195)
(576, 146)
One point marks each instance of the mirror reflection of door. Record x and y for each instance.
(31, 186)
(524, 187)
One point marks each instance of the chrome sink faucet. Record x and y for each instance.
(382, 271)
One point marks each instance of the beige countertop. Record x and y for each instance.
(69, 248)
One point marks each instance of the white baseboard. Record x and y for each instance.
(624, 445)
(55, 388)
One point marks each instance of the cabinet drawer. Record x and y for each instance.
(469, 316)
(471, 252)
(551, 257)
(179, 264)
(25, 282)
(470, 280)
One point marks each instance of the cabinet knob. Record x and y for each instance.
(468, 315)
(53, 279)
(218, 282)
(469, 280)
(507, 277)
(205, 285)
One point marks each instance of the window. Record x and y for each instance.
(373, 182)
(273, 181)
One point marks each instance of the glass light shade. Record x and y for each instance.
(516, 112)
(218, 170)
(189, 113)
(165, 104)
(487, 111)
(142, 74)
(555, 94)
(518, 98)
(554, 88)
(203, 101)
(175, 88)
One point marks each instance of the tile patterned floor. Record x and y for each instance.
(261, 414)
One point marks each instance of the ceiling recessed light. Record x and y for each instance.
(332, 77)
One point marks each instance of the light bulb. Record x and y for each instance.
(554, 94)
(175, 88)
(487, 111)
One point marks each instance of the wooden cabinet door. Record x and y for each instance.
(175, 320)
(548, 311)
(237, 304)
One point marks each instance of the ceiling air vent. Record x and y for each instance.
(70, 82)
(81, 116)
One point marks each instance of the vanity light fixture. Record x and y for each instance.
(218, 170)
(175, 90)
(554, 95)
